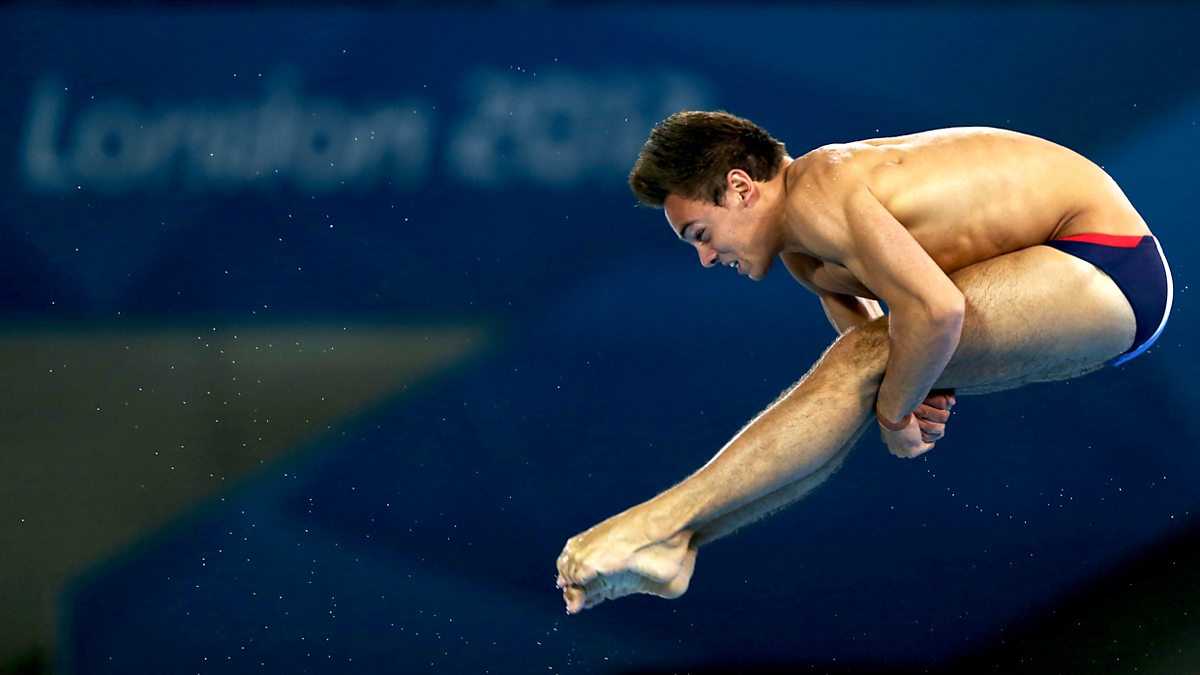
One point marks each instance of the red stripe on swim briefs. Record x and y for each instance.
(1115, 240)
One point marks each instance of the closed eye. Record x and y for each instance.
(689, 231)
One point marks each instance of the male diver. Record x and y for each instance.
(1002, 258)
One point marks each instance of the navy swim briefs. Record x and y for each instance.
(1140, 270)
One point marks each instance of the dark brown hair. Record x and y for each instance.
(689, 154)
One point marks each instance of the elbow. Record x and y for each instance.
(934, 316)
(947, 313)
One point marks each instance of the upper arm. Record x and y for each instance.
(885, 257)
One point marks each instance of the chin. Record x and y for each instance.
(759, 274)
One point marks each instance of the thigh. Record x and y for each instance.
(1036, 315)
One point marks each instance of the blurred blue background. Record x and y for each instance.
(324, 327)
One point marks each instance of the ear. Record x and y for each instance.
(742, 190)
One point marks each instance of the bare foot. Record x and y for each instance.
(616, 558)
(618, 585)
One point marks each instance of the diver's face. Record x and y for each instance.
(722, 235)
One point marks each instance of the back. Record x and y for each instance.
(970, 194)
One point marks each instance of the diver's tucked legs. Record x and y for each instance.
(1033, 315)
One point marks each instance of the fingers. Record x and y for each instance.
(917, 452)
(907, 443)
(932, 423)
(929, 413)
(934, 413)
(911, 451)
(943, 399)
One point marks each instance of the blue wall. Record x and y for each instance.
(442, 166)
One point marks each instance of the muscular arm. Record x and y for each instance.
(925, 307)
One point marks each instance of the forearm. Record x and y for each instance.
(846, 312)
(919, 350)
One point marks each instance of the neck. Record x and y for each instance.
(789, 228)
(775, 193)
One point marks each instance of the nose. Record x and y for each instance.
(708, 257)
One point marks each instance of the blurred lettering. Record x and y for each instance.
(561, 127)
(115, 146)
(555, 130)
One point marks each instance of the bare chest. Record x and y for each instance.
(837, 279)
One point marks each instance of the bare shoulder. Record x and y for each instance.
(819, 181)
(820, 186)
(835, 160)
